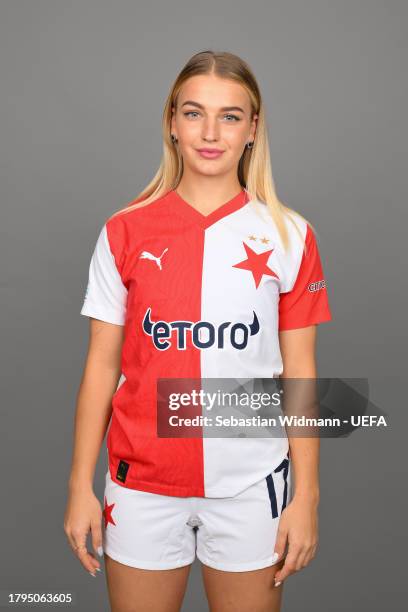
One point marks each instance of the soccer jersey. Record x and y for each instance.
(200, 296)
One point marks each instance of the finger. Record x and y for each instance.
(79, 538)
(287, 569)
(82, 553)
(310, 553)
(302, 559)
(280, 542)
(72, 542)
(87, 560)
(96, 536)
(289, 566)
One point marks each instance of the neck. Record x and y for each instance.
(207, 192)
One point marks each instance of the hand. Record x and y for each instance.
(299, 525)
(84, 513)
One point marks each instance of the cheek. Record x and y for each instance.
(189, 132)
(236, 139)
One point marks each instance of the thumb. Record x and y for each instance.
(280, 542)
(96, 535)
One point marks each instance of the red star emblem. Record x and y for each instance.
(107, 513)
(256, 263)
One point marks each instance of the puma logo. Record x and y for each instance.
(147, 255)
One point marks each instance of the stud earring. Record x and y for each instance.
(173, 138)
(250, 145)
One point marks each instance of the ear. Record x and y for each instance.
(253, 126)
(173, 120)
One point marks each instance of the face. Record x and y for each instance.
(212, 113)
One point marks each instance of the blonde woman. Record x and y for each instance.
(206, 275)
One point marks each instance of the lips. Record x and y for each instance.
(210, 150)
(210, 153)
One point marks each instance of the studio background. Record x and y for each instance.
(83, 84)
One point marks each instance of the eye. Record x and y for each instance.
(234, 117)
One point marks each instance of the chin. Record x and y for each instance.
(205, 168)
(210, 172)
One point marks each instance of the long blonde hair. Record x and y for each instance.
(254, 168)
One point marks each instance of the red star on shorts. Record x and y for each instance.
(107, 513)
(256, 263)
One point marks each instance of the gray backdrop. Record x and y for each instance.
(83, 85)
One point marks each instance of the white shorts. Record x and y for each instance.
(235, 534)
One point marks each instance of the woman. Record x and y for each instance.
(206, 275)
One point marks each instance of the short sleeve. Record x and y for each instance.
(307, 302)
(106, 295)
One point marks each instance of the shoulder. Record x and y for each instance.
(297, 227)
(133, 217)
(302, 241)
(136, 209)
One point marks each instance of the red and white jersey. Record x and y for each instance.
(200, 296)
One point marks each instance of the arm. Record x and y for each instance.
(299, 520)
(302, 307)
(105, 304)
(99, 382)
(298, 355)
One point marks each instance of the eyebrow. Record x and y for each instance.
(223, 108)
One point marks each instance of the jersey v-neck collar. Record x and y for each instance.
(235, 203)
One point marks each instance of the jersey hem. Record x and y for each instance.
(179, 491)
(150, 487)
(95, 313)
(316, 320)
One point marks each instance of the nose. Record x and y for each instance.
(210, 129)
